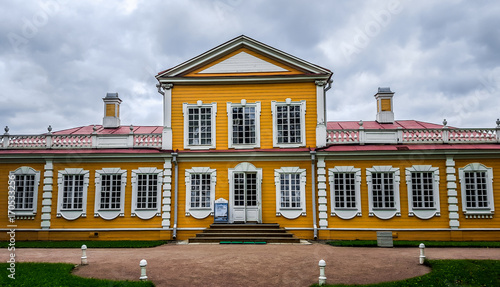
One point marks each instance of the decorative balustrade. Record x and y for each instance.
(414, 136)
(84, 141)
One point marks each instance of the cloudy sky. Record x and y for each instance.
(59, 58)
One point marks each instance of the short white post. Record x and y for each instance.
(84, 255)
(143, 264)
(322, 277)
(421, 258)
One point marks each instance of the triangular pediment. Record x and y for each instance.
(242, 56)
(242, 62)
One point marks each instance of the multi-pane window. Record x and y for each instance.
(288, 119)
(200, 190)
(147, 191)
(383, 190)
(245, 189)
(422, 187)
(344, 188)
(476, 191)
(290, 190)
(111, 189)
(199, 125)
(25, 191)
(244, 125)
(73, 186)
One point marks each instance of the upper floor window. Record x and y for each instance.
(423, 191)
(476, 182)
(289, 123)
(383, 191)
(146, 192)
(26, 181)
(290, 191)
(199, 125)
(345, 184)
(72, 193)
(200, 191)
(244, 124)
(110, 192)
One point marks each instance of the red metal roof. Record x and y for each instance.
(86, 130)
(406, 124)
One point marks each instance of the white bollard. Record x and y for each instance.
(84, 255)
(421, 258)
(143, 264)
(322, 277)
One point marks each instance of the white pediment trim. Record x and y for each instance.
(243, 63)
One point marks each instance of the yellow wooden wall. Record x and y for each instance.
(268, 191)
(221, 94)
(403, 221)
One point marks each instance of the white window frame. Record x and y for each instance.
(423, 212)
(200, 212)
(109, 214)
(27, 212)
(243, 103)
(72, 214)
(290, 212)
(384, 213)
(245, 167)
(146, 213)
(471, 212)
(199, 104)
(289, 102)
(345, 212)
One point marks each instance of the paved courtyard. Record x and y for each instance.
(252, 265)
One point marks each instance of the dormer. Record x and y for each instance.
(385, 107)
(111, 118)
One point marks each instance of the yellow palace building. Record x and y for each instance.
(245, 129)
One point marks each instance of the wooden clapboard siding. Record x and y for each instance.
(404, 221)
(221, 94)
(482, 222)
(291, 70)
(268, 191)
(96, 222)
(5, 169)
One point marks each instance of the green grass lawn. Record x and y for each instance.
(56, 274)
(403, 243)
(452, 273)
(90, 244)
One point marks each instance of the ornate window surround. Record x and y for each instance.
(243, 103)
(423, 212)
(72, 214)
(28, 213)
(290, 212)
(146, 213)
(477, 212)
(109, 214)
(203, 212)
(199, 104)
(288, 102)
(383, 213)
(343, 212)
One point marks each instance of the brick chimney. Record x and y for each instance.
(111, 118)
(385, 108)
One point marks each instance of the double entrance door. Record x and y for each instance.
(245, 196)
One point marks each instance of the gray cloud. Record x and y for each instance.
(59, 58)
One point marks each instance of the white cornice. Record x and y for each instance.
(239, 79)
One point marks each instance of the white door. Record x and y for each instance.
(246, 205)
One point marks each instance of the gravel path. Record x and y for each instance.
(252, 265)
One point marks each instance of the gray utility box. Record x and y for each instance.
(384, 239)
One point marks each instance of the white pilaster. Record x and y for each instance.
(48, 176)
(167, 194)
(322, 202)
(321, 115)
(451, 186)
(167, 115)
